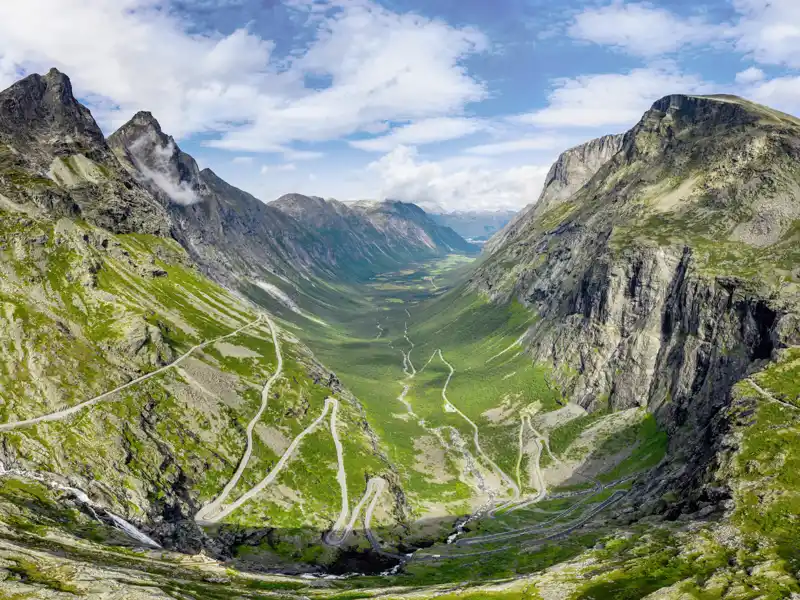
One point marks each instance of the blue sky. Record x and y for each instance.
(454, 104)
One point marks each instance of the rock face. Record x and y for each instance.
(573, 169)
(228, 231)
(653, 265)
(53, 157)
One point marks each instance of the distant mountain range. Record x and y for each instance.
(478, 226)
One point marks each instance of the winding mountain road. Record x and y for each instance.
(374, 488)
(214, 506)
(67, 412)
(378, 487)
(270, 477)
(541, 486)
(341, 474)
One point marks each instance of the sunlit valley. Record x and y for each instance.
(593, 394)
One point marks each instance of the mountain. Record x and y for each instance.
(53, 158)
(475, 225)
(569, 173)
(233, 234)
(667, 280)
(373, 234)
(228, 231)
(132, 384)
(206, 396)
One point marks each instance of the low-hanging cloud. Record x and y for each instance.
(157, 169)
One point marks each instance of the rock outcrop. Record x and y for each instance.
(573, 169)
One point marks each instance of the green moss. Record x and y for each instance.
(29, 572)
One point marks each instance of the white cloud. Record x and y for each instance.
(528, 144)
(782, 93)
(271, 168)
(640, 29)
(443, 186)
(129, 55)
(750, 75)
(611, 99)
(383, 67)
(425, 131)
(769, 31)
(290, 154)
(242, 160)
(161, 171)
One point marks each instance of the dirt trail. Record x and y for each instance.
(61, 414)
(517, 342)
(212, 507)
(272, 475)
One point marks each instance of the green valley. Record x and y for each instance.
(207, 396)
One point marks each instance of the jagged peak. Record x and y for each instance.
(52, 90)
(146, 118)
(142, 123)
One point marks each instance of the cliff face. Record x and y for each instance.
(656, 279)
(573, 169)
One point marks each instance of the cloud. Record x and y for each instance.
(378, 63)
(782, 93)
(450, 187)
(611, 99)
(769, 31)
(242, 160)
(424, 131)
(272, 168)
(528, 144)
(156, 167)
(641, 29)
(290, 154)
(750, 75)
(129, 55)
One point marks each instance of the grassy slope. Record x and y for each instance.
(71, 295)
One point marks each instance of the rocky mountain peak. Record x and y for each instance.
(145, 119)
(142, 145)
(684, 119)
(41, 113)
(572, 170)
